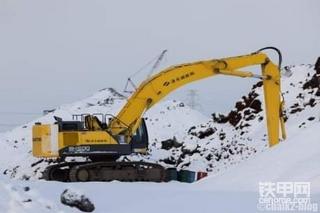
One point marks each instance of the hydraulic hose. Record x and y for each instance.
(278, 52)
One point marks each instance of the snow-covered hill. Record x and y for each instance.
(179, 137)
(232, 147)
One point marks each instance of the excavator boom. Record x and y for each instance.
(152, 90)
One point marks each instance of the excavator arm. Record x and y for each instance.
(152, 90)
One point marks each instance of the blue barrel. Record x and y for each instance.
(186, 176)
(171, 174)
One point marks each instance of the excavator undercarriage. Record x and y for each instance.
(105, 171)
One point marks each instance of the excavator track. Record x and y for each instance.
(58, 172)
(105, 171)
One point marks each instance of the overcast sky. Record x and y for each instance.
(56, 52)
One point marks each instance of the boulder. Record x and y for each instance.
(77, 200)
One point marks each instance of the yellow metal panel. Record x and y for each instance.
(70, 138)
(95, 137)
(41, 141)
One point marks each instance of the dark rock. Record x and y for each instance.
(14, 171)
(186, 151)
(74, 199)
(206, 133)
(107, 101)
(312, 83)
(247, 112)
(185, 165)
(312, 102)
(285, 116)
(317, 66)
(231, 152)
(36, 163)
(256, 105)
(191, 128)
(300, 96)
(250, 117)
(296, 110)
(170, 143)
(115, 92)
(302, 124)
(249, 98)
(222, 136)
(202, 134)
(258, 84)
(295, 105)
(220, 118)
(209, 157)
(240, 105)
(311, 118)
(226, 156)
(170, 161)
(25, 177)
(234, 118)
(181, 104)
(218, 156)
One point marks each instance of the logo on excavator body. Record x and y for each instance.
(174, 80)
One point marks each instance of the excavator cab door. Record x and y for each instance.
(140, 139)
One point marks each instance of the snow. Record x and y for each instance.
(138, 197)
(296, 159)
(236, 157)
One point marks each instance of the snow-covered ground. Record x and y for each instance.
(231, 147)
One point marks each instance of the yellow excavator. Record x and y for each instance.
(102, 140)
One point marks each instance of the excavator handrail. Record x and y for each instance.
(82, 115)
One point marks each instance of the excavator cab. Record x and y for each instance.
(93, 123)
(140, 138)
